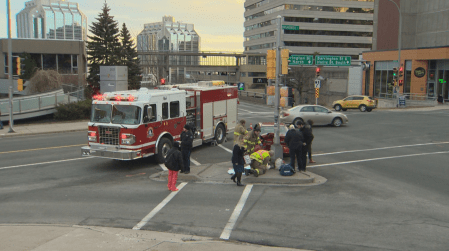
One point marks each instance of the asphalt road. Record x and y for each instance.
(387, 188)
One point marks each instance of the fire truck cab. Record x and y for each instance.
(127, 125)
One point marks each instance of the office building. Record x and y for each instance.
(168, 36)
(424, 50)
(51, 19)
(327, 27)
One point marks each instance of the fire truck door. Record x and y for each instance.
(208, 127)
(231, 113)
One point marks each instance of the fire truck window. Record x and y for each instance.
(150, 115)
(174, 109)
(164, 110)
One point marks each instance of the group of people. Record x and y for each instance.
(248, 143)
(176, 160)
(299, 141)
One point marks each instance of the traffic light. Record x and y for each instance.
(285, 53)
(395, 73)
(401, 72)
(20, 84)
(22, 66)
(317, 71)
(271, 64)
(401, 81)
(162, 81)
(18, 68)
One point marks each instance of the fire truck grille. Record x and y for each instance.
(109, 135)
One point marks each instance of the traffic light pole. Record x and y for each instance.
(278, 152)
(399, 43)
(11, 120)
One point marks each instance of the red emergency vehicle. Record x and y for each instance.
(127, 125)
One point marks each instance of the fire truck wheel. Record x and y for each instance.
(162, 149)
(220, 134)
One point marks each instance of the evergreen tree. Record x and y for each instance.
(104, 46)
(128, 57)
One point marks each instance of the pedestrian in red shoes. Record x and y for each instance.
(174, 163)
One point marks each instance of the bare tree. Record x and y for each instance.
(301, 78)
(44, 80)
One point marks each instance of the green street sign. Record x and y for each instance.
(300, 60)
(290, 27)
(333, 60)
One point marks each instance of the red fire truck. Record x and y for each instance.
(127, 125)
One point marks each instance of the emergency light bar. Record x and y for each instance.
(116, 97)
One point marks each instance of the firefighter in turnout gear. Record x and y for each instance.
(252, 139)
(259, 161)
(239, 130)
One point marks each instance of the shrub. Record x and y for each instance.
(74, 111)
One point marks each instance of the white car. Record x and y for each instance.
(318, 114)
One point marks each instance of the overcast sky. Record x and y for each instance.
(218, 22)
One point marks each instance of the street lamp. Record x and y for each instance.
(399, 35)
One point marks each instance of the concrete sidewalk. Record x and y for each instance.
(74, 238)
(45, 128)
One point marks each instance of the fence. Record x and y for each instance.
(256, 97)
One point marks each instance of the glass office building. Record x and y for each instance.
(51, 19)
(168, 36)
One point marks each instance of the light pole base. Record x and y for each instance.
(278, 152)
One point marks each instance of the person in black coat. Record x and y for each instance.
(294, 140)
(238, 160)
(174, 163)
(186, 147)
(308, 137)
(309, 144)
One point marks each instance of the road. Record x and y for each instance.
(387, 188)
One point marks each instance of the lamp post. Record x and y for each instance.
(399, 37)
(11, 121)
(278, 152)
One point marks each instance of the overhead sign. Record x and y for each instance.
(333, 60)
(290, 27)
(300, 60)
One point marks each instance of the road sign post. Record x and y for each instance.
(333, 60)
(301, 60)
(317, 83)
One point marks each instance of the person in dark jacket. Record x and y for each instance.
(186, 147)
(174, 163)
(308, 137)
(294, 140)
(309, 144)
(238, 161)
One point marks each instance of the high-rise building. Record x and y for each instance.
(51, 19)
(424, 59)
(168, 36)
(329, 27)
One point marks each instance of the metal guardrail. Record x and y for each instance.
(252, 94)
(409, 96)
(40, 102)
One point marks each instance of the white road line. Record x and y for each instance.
(226, 149)
(380, 148)
(164, 168)
(235, 215)
(383, 158)
(256, 112)
(147, 218)
(195, 162)
(43, 163)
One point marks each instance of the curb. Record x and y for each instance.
(18, 134)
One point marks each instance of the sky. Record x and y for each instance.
(218, 22)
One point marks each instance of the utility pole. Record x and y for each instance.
(11, 120)
(399, 44)
(278, 152)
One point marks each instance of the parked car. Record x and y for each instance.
(267, 136)
(319, 114)
(364, 103)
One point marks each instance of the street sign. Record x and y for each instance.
(317, 92)
(333, 60)
(317, 83)
(300, 60)
(290, 27)
(241, 86)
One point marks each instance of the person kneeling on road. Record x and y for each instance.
(259, 161)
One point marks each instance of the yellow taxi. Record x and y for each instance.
(364, 103)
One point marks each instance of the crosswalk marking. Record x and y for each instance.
(235, 215)
(147, 218)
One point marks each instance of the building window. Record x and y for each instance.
(327, 21)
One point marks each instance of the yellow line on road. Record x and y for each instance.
(39, 149)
